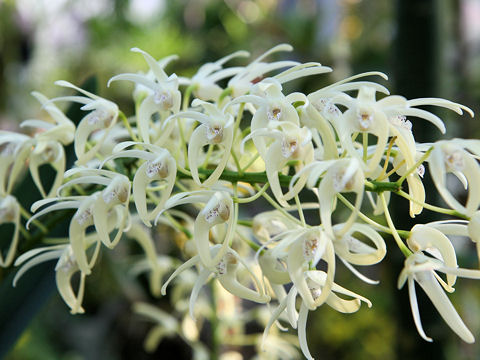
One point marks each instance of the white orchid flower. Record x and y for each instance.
(103, 116)
(164, 97)
(320, 112)
(268, 224)
(253, 72)
(216, 128)
(353, 251)
(451, 156)
(15, 149)
(159, 167)
(342, 175)
(64, 271)
(62, 130)
(45, 147)
(225, 271)
(218, 210)
(289, 143)
(204, 81)
(301, 249)
(114, 197)
(10, 213)
(107, 210)
(272, 107)
(82, 219)
(317, 283)
(322, 131)
(422, 269)
(47, 152)
(363, 116)
(432, 240)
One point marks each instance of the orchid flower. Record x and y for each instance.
(64, 271)
(82, 219)
(351, 250)
(159, 166)
(218, 210)
(300, 248)
(164, 98)
(322, 131)
(10, 213)
(242, 82)
(451, 156)
(114, 197)
(62, 130)
(291, 143)
(45, 147)
(317, 281)
(15, 149)
(342, 175)
(268, 224)
(225, 271)
(48, 152)
(422, 269)
(432, 240)
(364, 116)
(103, 115)
(204, 81)
(216, 128)
(272, 107)
(106, 210)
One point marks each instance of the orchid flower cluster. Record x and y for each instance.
(199, 157)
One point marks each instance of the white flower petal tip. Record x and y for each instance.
(421, 269)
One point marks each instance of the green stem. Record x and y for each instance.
(415, 166)
(243, 222)
(405, 250)
(127, 126)
(186, 97)
(37, 223)
(255, 247)
(252, 198)
(261, 178)
(224, 94)
(432, 207)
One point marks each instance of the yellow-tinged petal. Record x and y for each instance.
(10, 213)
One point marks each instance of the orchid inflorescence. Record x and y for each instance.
(201, 165)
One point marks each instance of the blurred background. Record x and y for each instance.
(428, 48)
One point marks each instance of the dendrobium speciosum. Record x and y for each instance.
(10, 213)
(194, 162)
(163, 96)
(102, 116)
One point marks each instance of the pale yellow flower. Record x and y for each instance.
(218, 210)
(159, 167)
(451, 156)
(164, 98)
(422, 269)
(102, 116)
(225, 271)
(10, 213)
(216, 128)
